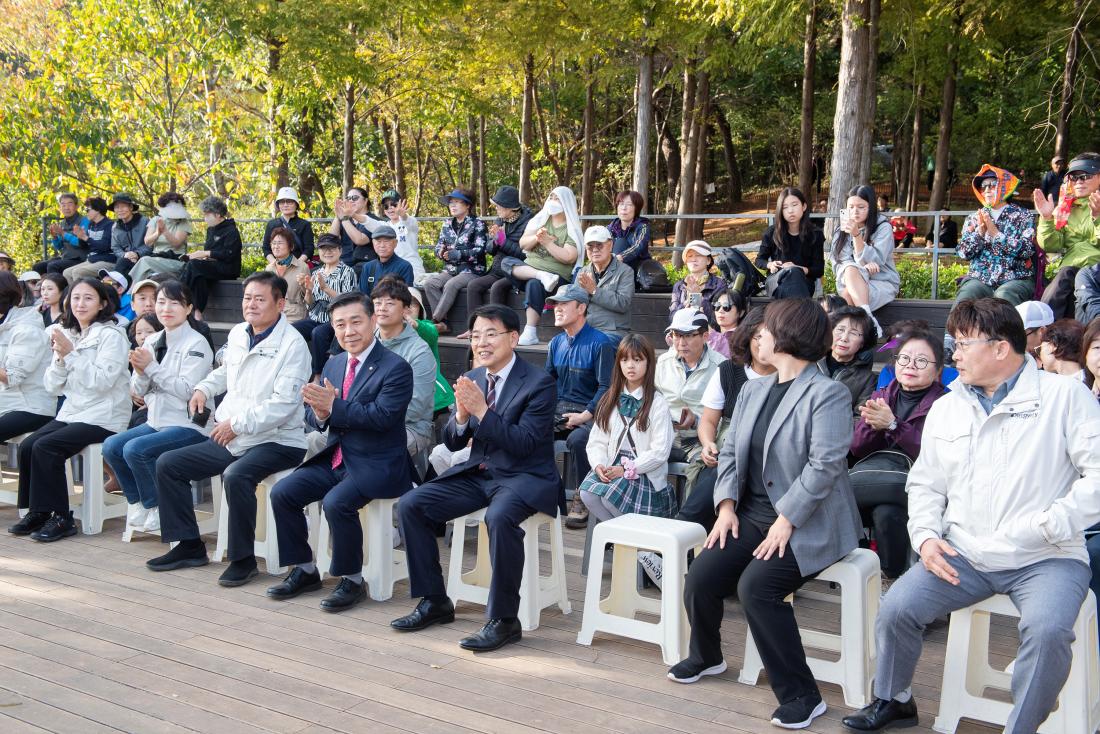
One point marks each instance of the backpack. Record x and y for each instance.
(740, 273)
(650, 277)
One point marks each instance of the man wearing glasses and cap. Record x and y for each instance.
(1071, 227)
(609, 284)
(682, 375)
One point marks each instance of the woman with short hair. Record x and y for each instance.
(349, 224)
(462, 244)
(287, 262)
(88, 368)
(785, 510)
(1060, 350)
(167, 365)
(220, 258)
(629, 229)
(851, 357)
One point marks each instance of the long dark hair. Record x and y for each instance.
(805, 226)
(638, 347)
(106, 311)
(868, 194)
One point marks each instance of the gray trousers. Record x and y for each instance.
(1048, 595)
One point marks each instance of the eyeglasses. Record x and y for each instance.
(487, 336)
(1079, 176)
(840, 332)
(963, 345)
(920, 363)
(724, 307)
(677, 335)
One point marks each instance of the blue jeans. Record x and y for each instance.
(1092, 545)
(133, 457)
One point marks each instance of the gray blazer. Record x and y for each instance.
(805, 464)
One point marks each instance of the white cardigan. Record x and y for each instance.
(168, 385)
(24, 353)
(653, 445)
(93, 377)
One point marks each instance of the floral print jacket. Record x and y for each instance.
(1008, 256)
(462, 247)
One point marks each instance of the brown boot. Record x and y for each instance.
(578, 513)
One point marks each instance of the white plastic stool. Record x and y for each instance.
(536, 592)
(383, 565)
(9, 489)
(967, 673)
(209, 522)
(267, 543)
(96, 505)
(860, 583)
(616, 613)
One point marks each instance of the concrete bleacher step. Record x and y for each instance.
(648, 316)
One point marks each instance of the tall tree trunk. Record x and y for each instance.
(690, 145)
(398, 158)
(643, 99)
(850, 101)
(481, 161)
(901, 160)
(348, 161)
(916, 149)
(475, 162)
(733, 188)
(276, 128)
(588, 167)
(387, 140)
(806, 137)
(947, 115)
(702, 135)
(870, 96)
(1061, 140)
(527, 128)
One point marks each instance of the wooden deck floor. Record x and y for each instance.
(92, 642)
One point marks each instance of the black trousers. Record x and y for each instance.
(761, 586)
(1059, 293)
(199, 276)
(42, 456)
(55, 265)
(425, 507)
(699, 505)
(884, 507)
(342, 500)
(495, 282)
(240, 475)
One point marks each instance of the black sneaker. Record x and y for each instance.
(58, 526)
(29, 523)
(800, 712)
(239, 573)
(186, 554)
(688, 671)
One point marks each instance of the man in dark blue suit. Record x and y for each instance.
(361, 402)
(507, 407)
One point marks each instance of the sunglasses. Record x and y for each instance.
(1079, 176)
(355, 198)
(989, 186)
(724, 307)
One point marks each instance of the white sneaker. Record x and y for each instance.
(550, 281)
(136, 514)
(152, 520)
(652, 564)
(530, 335)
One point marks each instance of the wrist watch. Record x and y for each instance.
(893, 425)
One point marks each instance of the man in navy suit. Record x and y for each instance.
(361, 402)
(507, 407)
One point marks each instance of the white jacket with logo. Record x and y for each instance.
(93, 377)
(1015, 487)
(24, 354)
(263, 388)
(167, 385)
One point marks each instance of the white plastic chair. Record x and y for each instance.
(267, 542)
(383, 565)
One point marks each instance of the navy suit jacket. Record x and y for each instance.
(369, 424)
(515, 440)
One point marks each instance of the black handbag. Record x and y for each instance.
(650, 277)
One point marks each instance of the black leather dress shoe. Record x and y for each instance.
(346, 595)
(296, 582)
(425, 615)
(881, 715)
(29, 523)
(494, 635)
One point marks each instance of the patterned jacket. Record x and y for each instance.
(462, 247)
(1008, 256)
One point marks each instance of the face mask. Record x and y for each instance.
(553, 207)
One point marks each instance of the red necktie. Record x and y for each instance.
(349, 378)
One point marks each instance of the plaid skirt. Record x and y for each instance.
(633, 495)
